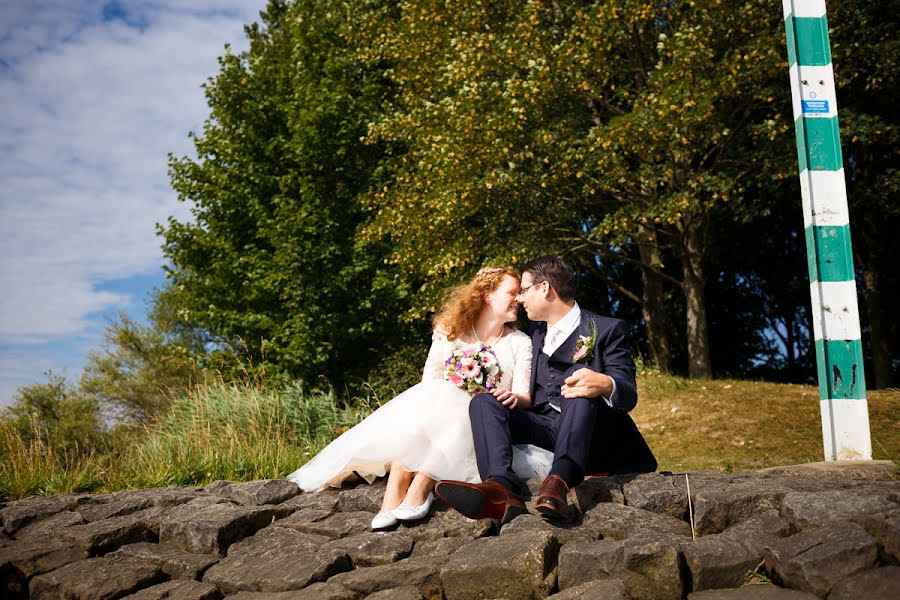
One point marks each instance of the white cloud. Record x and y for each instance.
(92, 106)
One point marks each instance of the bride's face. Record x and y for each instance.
(502, 301)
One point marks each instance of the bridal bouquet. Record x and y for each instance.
(473, 368)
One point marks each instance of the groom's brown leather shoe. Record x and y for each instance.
(552, 502)
(488, 500)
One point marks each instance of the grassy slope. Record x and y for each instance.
(737, 425)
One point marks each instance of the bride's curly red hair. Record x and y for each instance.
(460, 310)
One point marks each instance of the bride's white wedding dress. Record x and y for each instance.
(426, 428)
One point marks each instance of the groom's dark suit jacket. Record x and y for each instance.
(617, 445)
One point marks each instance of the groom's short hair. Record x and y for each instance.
(554, 271)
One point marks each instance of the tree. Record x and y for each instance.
(269, 265)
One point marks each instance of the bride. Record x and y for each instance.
(424, 435)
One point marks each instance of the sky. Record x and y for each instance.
(95, 94)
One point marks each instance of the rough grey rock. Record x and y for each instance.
(649, 566)
(877, 584)
(657, 493)
(104, 536)
(335, 526)
(183, 589)
(532, 523)
(175, 563)
(370, 549)
(719, 504)
(263, 492)
(592, 491)
(762, 528)
(752, 592)
(363, 498)
(440, 548)
(720, 561)
(21, 561)
(46, 528)
(816, 559)
(806, 510)
(885, 528)
(616, 521)
(604, 589)
(515, 566)
(421, 573)
(317, 591)
(106, 577)
(276, 560)
(326, 501)
(448, 523)
(125, 503)
(402, 593)
(211, 529)
(20, 513)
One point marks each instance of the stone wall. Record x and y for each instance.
(758, 535)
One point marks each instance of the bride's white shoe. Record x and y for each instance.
(406, 512)
(384, 520)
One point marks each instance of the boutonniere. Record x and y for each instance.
(584, 347)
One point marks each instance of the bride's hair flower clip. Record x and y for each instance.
(489, 270)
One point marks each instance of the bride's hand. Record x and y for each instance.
(506, 398)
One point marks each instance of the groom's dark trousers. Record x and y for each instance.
(586, 435)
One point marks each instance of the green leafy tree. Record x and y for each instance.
(269, 265)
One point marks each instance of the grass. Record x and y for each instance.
(245, 432)
(733, 425)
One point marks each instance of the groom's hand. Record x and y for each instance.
(585, 383)
(506, 398)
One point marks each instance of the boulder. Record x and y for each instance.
(656, 493)
(276, 560)
(363, 498)
(876, 584)
(263, 492)
(326, 501)
(317, 591)
(513, 566)
(805, 510)
(650, 566)
(885, 528)
(618, 522)
(720, 561)
(21, 561)
(175, 563)
(131, 501)
(439, 548)
(104, 536)
(605, 589)
(20, 513)
(421, 573)
(403, 593)
(592, 491)
(96, 578)
(183, 589)
(335, 526)
(442, 523)
(752, 592)
(46, 528)
(211, 529)
(565, 533)
(816, 559)
(373, 548)
(719, 504)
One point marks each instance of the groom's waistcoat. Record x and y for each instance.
(550, 371)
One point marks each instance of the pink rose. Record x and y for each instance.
(580, 353)
(467, 352)
(456, 380)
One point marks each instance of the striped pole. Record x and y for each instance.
(842, 384)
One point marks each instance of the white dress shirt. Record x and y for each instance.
(560, 332)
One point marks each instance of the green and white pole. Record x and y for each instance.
(842, 384)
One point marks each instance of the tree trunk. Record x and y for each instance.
(699, 364)
(653, 303)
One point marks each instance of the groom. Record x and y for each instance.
(582, 387)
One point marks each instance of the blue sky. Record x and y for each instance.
(94, 95)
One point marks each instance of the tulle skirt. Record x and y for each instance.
(426, 429)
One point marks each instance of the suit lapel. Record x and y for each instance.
(537, 342)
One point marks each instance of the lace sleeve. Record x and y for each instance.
(437, 354)
(521, 383)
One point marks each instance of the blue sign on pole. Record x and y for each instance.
(815, 106)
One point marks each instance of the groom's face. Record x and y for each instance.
(531, 297)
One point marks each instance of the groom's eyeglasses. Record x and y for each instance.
(528, 287)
